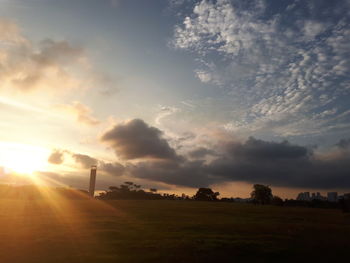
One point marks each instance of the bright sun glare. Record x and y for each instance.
(22, 158)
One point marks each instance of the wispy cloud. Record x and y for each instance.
(82, 112)
(26, 66)
(163, 112)
(54, 65)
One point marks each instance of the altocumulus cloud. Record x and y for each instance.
(284, 65)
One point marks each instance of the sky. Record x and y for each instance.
(176, 94)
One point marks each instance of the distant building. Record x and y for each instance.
(307, 196)
(332, 196)
(318, 196)
(347, 196)
(304, 196)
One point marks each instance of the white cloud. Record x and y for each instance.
(82, 112)
(9, 32)
(50, 65)
(163, 112)
(204, 76)
(312, 29)
(272, 64)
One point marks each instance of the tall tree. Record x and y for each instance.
(206, 194)
(262, 194)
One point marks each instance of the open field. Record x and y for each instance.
(167, 231)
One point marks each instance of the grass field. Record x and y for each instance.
(168, 231)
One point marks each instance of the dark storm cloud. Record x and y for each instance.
(201, 152)
(115, 168)
(86, 162)
(253, 161)
(56, 157)
(259, 149)
(189, 173)
(135, 139)
(343, 143)
(282, 164)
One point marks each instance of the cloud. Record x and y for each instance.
(281, 164)
(148, 156)
(165, 111)
(85, 160)
(26, 66)
(204, 76)
(115, 169)
(259, 149)
(9, 32)
(201, 152)
(312, 29)
(135, 139)
(343, 143)
(283, 72)
(56, 157)
(189, 173)
(255, 161)
(82, 112)
(52, 65)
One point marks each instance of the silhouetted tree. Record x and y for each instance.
(130, 190)
(345, 203)
(206, 194)
(262, 194)
(276, 200)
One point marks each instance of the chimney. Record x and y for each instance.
(92, 180)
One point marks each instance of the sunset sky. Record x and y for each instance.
(176, 94)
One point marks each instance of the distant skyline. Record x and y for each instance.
(176, 94)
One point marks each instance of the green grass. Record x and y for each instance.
(168, 231)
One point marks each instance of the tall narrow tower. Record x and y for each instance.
(92, 180)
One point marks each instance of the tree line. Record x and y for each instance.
(261, 195)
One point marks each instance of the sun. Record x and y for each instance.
(22, 158)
